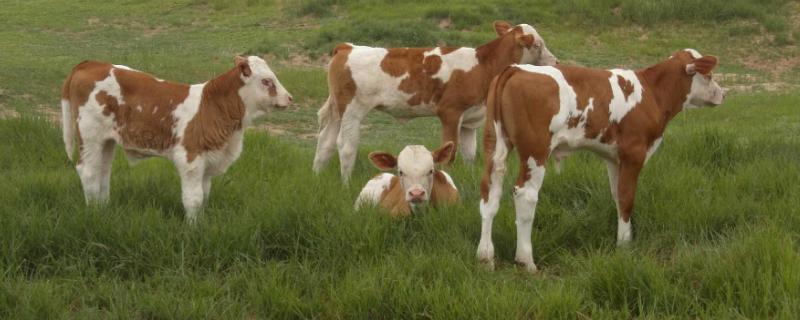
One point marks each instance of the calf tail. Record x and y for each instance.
(494, 130)
(326, 113)
(68, 121)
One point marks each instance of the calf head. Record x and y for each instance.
(532, 45)
(415, 168)
(261, 90)
(704, 90)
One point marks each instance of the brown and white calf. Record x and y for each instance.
(619, 115)
(417, 180)
(450, 83)
(199, 127)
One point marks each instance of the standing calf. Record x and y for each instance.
(417, 180)
(450, 83)
(200, 128)
(619, 115)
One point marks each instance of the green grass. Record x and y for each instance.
(716, 234)
(716, 215)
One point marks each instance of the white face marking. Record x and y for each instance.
(255, 93)
(620, 106)
(460, 59)
(415, 168)
(538, 54)
(694, 53)
(705, 91)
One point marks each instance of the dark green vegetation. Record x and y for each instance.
(716, 219)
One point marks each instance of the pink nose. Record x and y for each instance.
(416, 195)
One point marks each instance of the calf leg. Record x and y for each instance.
(192, 194)
(90, 169)
(106, 161)
(526, 196)
(626, 193)
(470, 122)
(328, 133)
(206, 188)
(623, 228)
(468, 143)
(347, 142)
(451, 121)
(495, 152)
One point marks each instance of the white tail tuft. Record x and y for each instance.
(68, 128)
(325, 113)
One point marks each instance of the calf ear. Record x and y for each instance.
(444, 152)
(501, 27)
(383, 160)
(703, 65)
(243, 65)
(523, 40)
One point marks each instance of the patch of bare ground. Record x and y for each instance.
(8, 113)
(290, 130)
(48, 112)
(300, 60)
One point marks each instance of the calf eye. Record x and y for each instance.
(430, 172)
(400, 173)
(267, 82)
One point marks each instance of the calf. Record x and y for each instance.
(618, 114)
(450, 83)
(198, 127)
(417, 180)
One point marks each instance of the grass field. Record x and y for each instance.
(716, 219)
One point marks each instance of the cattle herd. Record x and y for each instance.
(512, 85)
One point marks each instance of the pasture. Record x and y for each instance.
(716, 218)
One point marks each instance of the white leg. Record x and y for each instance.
(90, 169)
(328, 133)
(347, 142)
(206, 188)
(472, 119)
(192, 189)
(624, 229)
(105, 170)
(468, 143)
(489, 207)
(525, 200)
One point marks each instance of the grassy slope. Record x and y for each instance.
(716, 215)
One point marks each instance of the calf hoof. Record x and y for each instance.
(485, 255)
(624, 243)
(530, 267)
(487, 265)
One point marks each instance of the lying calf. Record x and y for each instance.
(417, 180)
(198, 127)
